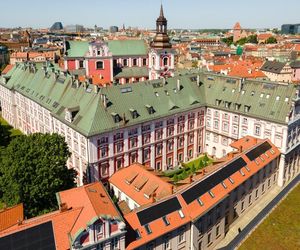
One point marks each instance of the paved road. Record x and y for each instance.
(234, 243)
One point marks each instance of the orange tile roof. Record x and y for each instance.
(137, 182)
(95, 202)
(194, 210)
(83, 205)
(7, 69)
(11, 216)
(62, 223)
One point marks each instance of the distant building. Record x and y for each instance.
(4, 55)
(296, 71)
(290, 28)
(277, 71)
(238, 32)
(33, 56)
(113, 29)
(74, 28)
(57, 26)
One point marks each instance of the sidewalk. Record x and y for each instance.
(248, 216)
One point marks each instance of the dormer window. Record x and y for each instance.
(148, 229)
(227, 104)
(137, 234)
(200, 202)
(150, 109)
(237, 106)
(71, 113)
(246, 108)
(218, 102)
(166, 221)
(117, 118)
(211, 194)
(134, 113)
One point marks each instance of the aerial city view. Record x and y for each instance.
(149, 125)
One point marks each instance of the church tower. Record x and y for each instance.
(161, 56)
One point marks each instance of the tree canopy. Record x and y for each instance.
(32, 169)
(271, 39)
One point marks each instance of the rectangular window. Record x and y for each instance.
(181, 235)
(166, 221)
(148, 229)
(99, 65)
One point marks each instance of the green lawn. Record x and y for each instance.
(280, 230)
(187, 169)
(8, 132)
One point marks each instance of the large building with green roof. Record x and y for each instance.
(158, 123)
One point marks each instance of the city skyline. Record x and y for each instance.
(193, 14)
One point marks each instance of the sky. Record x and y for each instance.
(189, 14)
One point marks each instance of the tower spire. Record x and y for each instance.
(161, 14)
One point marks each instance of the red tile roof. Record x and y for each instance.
(140, 183)
(7, 69)
(81, 206)
(11, 216)
(95, 202)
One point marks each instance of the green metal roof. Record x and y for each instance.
(132, 72)
(117, 48)
(127, 47)
(57, 94)
(77, 48)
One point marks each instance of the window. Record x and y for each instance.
(125, 62)
(99, 228)
(134, 62)
(225, 141)
(231, 180)
(257, 130)
(250, 197)
(207, 136)
(167, 243)
(223, 184)
(99, 65)
(200, 202)
(166, 221)
(148, 229)
(216, 138)
(209, 238)
(242, 205)
(181, 213)
(217, 231)
(114, 243)
(166, 61)
(211, 194)
(225, 127)
(181, 235)
(81, 64)
(144, 61)
(245, 121)
(137, 234)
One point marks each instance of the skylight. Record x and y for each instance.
(148, 229)
(166, 221)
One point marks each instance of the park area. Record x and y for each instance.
(281, 229)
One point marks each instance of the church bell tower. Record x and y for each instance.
(161, 56)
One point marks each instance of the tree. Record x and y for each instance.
(228, 40)
(32, 169)
(271, 39)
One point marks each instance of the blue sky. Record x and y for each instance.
(142, 13)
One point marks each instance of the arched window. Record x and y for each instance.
(166, 61)
(214, 151)
(153, 60)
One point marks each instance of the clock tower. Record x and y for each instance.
(161, 56)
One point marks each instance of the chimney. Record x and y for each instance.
(104, 100)
(153, 197)
(96, 89)
(241, 149)
(63, 207)
(191, 178)
(178, 84)
(241, 83)
(230, 155)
